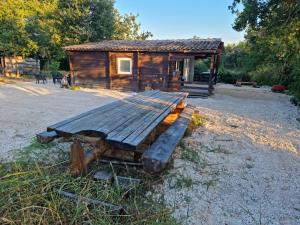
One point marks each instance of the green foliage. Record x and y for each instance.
(54, 65)
(271, 52)
(42, 28)
(189, 154)
(127, 28)
(201, 66)
(230, 76)
(184, 182)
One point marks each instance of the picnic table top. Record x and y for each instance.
(124, 123)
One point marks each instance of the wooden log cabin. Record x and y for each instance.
(136, 65)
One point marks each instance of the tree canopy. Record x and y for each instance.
(42, 28)
(271, 51)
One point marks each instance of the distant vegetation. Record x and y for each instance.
(41, 28)
(270, 53)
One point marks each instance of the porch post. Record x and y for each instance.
(211, 74)
(217, 67)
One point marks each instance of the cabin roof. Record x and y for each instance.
(182, 45)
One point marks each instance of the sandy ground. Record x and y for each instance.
(27, 108)
(249, 166)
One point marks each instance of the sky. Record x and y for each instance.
(179, 19)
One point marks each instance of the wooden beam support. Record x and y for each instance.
(80, 161)
(211, 75)
(46, 137)
(78, 166)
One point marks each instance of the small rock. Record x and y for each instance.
(103, 176)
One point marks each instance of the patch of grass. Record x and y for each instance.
(35, 151)
(75, 88)
(190, 154)
(183, 182)
(210, 183)
(219, 149)
(27, 193)
(196, 121)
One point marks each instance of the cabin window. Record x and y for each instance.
(124, 66)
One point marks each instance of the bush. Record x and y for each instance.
(201, 66)
(54, 66)
(231, 76)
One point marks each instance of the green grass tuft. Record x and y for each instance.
(183, 182)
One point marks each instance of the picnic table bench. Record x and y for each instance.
(124, 124)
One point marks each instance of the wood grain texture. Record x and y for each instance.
(156, 158)
(125, 123)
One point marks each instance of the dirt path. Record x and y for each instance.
(243, 166)
(27, 108)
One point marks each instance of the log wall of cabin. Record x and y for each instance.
(153, 70)
(88, 68)
(123, 81)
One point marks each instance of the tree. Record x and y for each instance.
(127, 28)
(41, 28)
(273, 36)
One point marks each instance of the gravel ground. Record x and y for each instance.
(242, 166)
(27, 108)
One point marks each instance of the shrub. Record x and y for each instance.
(231, 76)
(201, 66)
(54, 66)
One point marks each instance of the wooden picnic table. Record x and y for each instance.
(124, 124)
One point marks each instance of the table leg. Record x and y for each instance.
(80, 161)
(78, 166)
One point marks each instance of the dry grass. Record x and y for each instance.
(27, 193)
(196, 121)
(2, 80)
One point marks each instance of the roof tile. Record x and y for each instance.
(182, 45)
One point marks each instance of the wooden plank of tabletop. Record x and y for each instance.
(91, 121)
(90, 112)
(142, 133)
(159, 105)
(141, 110)
(136, 109)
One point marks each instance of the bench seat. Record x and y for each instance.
(157, 156)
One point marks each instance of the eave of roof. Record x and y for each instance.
(184, 46)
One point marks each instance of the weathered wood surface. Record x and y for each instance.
(46, 137)
(125, 123)
(156, 158)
